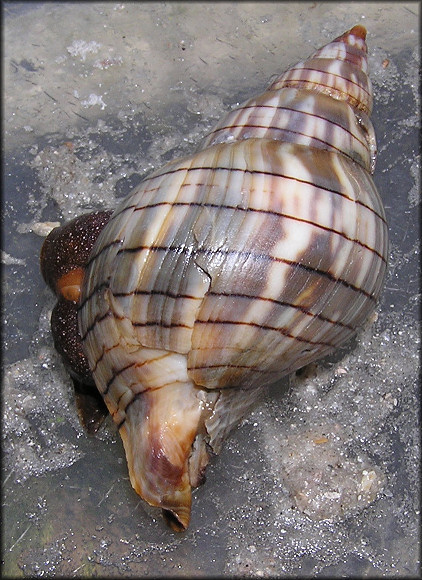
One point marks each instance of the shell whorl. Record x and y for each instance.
(225, 270)
(308, 104)
(339, 69)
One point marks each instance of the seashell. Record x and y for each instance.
(224, 271)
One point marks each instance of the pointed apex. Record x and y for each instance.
(338, 69)
(349, 46)
(356, 36)
(358, 30)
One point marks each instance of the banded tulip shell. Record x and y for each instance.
(223, 271)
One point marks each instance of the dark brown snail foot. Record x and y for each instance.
(64, 256)
(89, 403)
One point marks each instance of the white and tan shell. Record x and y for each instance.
(223, 271)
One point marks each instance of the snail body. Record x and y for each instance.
(225, 270)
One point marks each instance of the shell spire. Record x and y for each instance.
(323, 102)
(339, 69)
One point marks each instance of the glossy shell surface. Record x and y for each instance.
(228, 269)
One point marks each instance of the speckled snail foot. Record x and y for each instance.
(64, 256)
(226, 270)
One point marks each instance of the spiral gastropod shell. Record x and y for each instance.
(223, 271)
